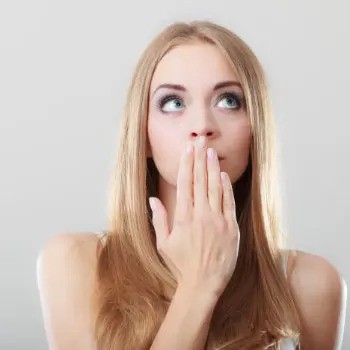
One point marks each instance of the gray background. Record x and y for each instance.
(65, 66)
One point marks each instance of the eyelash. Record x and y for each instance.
(163, 100)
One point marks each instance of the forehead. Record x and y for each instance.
(192, 65)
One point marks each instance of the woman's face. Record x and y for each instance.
(196, 107)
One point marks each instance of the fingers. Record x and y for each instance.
(184, 190)
(214, 181)
(228, 201)
(200, 175)
(199, 184)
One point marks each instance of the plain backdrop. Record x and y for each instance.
(64, 70)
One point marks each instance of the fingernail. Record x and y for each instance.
(152, 203)
(210, 153)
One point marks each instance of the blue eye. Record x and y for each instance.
(234, 101)
(169, 98)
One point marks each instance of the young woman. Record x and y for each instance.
(207, 267)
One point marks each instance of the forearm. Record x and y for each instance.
(187, 321)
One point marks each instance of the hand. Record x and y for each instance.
(202, 248)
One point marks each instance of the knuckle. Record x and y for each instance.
(201, 221)
(227, 202)
(201, 210)
(213, 189)
(198, 218)
(183, 209)
(182, 219)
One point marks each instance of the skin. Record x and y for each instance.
(68, 302)
(200, 111)
(316, 285)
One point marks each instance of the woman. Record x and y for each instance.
(207, 267)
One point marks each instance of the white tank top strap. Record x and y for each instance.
(288, 344)
(285, 253)
(102, 235)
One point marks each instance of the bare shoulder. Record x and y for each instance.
(66, 269)
(320, 294)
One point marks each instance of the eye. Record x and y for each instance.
(234, 100)
(170, 101)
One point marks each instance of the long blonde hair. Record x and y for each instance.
(135, 287)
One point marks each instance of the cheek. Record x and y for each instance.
(165, 147)
(158, 136)
(238, 138)
(164, 134)
(242, 138)
(239, 149)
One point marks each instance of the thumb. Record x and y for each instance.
(159, 220)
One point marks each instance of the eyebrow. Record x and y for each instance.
(218, 86)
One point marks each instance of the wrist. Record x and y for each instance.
(195, 294)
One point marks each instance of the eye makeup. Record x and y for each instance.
(239, 100)
(166, 98)
(234, 96)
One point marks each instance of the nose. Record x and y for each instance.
(203, 125)
(196, 135)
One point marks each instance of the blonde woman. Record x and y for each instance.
(207, 267)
